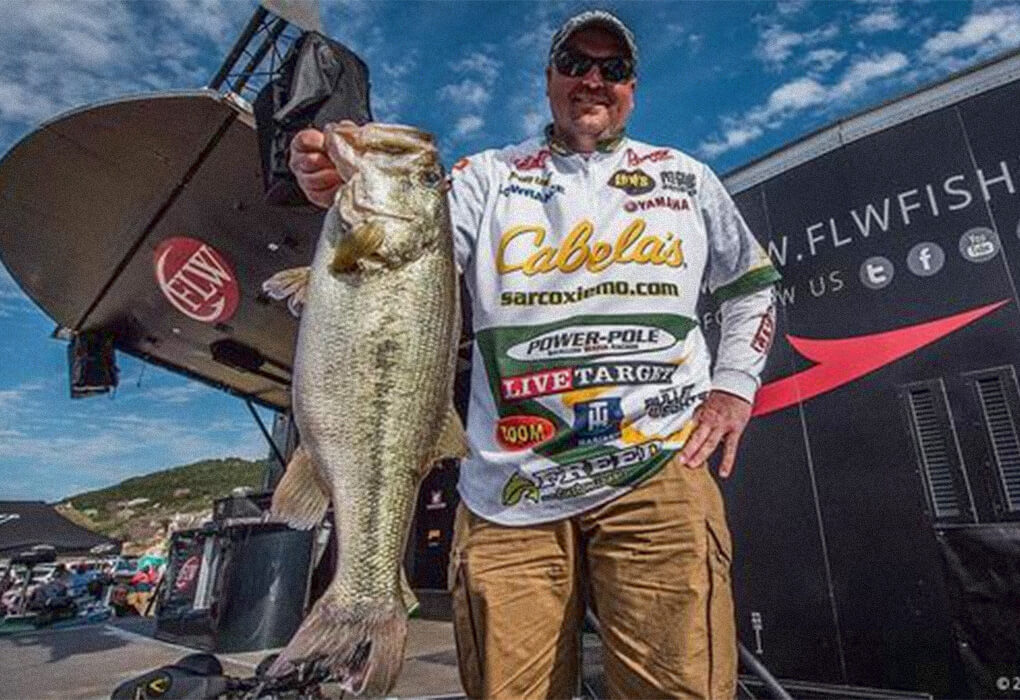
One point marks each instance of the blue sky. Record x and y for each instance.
(726, 81)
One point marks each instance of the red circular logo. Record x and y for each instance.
(521, 432)
(196, 279)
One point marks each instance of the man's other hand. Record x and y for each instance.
(721, 418)
(316, 175)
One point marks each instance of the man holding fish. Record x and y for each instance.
(594, 403)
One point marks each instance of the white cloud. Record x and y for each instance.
(777, 43)
(868, 70)
(185, 393)
(467, 93)
(10, 399)
(823, 60)
(882, 19)
(473, 92)
(680, 35)
(790, 7)
(481, 64)
(532, 122)
(73, 54)
(468, 125)
(218, 21)
(398, 69)
(733, 138)
(390, 96)
(799, 95)
(525, 97)
(538, 27)
(123, 446)
(12, 299)
(22, 103)
(87, 33)
(986, 32)
(795, 96)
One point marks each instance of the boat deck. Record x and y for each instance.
(89, 661)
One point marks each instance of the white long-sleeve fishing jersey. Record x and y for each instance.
(588, 361)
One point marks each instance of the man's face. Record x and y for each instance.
(588, 104)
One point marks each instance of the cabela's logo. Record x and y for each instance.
(633, 182)
(521, 250)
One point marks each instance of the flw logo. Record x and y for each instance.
(840, 361)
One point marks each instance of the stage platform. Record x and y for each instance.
(89, 661)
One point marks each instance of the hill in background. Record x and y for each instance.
(139, 509)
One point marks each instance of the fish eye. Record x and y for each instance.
(430, 178)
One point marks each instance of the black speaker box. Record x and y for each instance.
(92, 363)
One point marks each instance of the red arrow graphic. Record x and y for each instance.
(842, 360)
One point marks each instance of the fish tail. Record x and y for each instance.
(300, 499)
(362, 644)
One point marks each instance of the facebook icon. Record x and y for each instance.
(925, 259)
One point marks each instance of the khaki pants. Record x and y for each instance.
(656, 565)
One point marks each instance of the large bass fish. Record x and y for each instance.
(372, 389)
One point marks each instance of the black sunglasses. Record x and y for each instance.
(614, 69)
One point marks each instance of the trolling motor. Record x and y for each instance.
(201, 677)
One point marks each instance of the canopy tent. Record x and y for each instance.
(24, 524)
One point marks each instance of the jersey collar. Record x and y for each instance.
(609, 145)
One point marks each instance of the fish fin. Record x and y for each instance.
(300, 498)
(452, 442)
(362, 242)
(411, 603)
(361, 644)
(291, 284)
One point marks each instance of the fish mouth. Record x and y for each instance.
(405, 130)
(384, 146)
(391, 139)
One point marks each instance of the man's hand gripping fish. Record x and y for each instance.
(372, 390)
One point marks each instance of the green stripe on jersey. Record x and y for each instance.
(750, 282)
